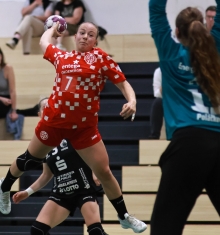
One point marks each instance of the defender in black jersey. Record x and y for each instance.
(72, 176)
(73, 186)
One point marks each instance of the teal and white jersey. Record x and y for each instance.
(185, 104)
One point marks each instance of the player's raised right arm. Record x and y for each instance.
(47, 37)
(161, 30)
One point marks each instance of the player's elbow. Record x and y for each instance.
(43, 45)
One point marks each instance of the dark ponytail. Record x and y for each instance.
(205, 61)
(204, 56)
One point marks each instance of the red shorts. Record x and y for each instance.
(79, 138)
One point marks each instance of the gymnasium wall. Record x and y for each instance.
(117, 16)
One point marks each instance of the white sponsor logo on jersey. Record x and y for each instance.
(61, 164)
(181, 66)
(63, 144)
(70, 66)
(86, 182)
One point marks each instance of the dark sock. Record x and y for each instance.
(95, 229)
(8, 182)
(31, 112)
(15, 40)
(119, 206)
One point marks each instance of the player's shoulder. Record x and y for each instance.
(99, 51)
(96, 50)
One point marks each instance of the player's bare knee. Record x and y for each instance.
(104, 174)
(27, 162)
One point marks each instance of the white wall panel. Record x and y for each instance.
(117, 16)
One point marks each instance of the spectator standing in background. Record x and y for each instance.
(156, 115)
(8, 93)
(210, 14)
(7, 89)
(34, 14)
(73, 12)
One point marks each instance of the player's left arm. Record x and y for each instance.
(43, 180)
(112, 71)
(129, 108)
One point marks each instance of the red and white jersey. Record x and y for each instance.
(80, 78)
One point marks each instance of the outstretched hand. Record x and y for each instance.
(19, 196)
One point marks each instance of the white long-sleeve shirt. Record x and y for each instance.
(157, 79)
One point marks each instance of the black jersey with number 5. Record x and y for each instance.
(71, 174)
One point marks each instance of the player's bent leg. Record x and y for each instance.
(23, 163)
(31, 159)
(5, 202)
(39, 228)
(213, 185)
(90, 212)
(52, 214)
(97, 158)
(5, 187)
(133, 223)
(27, 162)
(38, 149)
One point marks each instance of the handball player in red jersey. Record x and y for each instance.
(72, 113)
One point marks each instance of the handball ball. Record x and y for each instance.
(53, 19)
